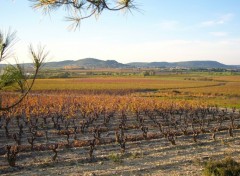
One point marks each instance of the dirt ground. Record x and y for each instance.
(147, 157)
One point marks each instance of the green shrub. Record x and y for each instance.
(117, 158)
(225, 167)
(136, 155)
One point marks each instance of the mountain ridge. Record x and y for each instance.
(86, 63)
(182, 64)
(97, 63)
(92, 63)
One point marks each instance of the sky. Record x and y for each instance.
(162, 30)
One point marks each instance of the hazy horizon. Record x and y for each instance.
(125, 62)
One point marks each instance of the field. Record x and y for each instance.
(222, 91)
(169, 124)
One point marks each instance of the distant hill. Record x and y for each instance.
(201, 64)
(91, 63)
(186, 64)
(86, 63)
(96, 63)
(149, 64)
(59, 64)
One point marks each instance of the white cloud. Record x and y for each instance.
(219, 34)
(221, 20)
(226, 17)
(168, 25)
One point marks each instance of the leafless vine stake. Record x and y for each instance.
(12, 154)
(17, 138)
(31, 141)
(145, 131)
(92, 147)
(121, 139)
(54, 149)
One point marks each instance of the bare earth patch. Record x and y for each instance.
(148, 157)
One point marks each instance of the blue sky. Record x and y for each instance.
(173, 30)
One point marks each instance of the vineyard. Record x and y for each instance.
(153, 93)
(222, 91)
(108, 133)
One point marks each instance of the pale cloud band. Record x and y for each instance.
(219, 21)
(219, 34)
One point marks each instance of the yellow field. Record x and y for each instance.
(110, 83)
(213, 89)
(226, 93)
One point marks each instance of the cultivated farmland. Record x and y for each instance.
(121, 126)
